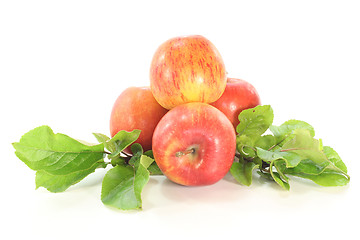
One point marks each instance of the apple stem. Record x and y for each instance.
(188, 151)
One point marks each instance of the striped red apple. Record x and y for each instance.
(187, 69)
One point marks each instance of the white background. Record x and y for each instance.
(63, 63)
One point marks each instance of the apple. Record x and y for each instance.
(136, 108)
(194, 144)
(187, 69)
(238, 96)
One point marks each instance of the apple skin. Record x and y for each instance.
(136, 108)
(187, 69)
(194, 144)
(238, 96)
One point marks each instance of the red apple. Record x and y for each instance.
(194, 144)
(187, 69)
(238, 95)
(136, 108)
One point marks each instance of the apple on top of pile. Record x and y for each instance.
(189, 113)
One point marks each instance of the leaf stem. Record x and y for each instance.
(334, 166)
(238, 155)
(277, 144)
(126, 154)
(251, 147)
(291, 149)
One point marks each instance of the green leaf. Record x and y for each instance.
(279, 177)
(122, 140)
(265, 142)
(136, 148)
(334, 157)
(135, 160)
(265, 175)
(280, 166)
(244, 145)
(122, 185)
(242, 171)
(259, 161)
(306, 166)
(57, 154)
(102, 138)
(334, 174)
(280, 181)
(146, 161)
(59, 183)
(306, 146)
(287, 128)
(328, 178)
(255, 121)
(118, 188)
(137, 152)
(118, 160)
(291, 159)
(154, 169)
(149, 153)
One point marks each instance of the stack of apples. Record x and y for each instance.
(189, 113)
